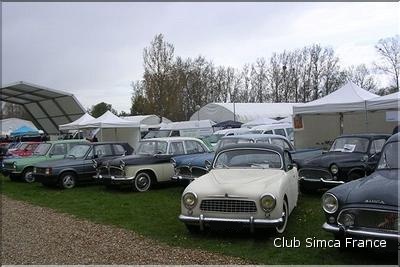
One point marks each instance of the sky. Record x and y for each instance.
(94, 50)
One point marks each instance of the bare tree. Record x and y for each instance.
(389, 52)
(362, 76)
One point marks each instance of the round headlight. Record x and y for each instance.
(14, 165)
(189, 200)
(347, 219)
(268, 202)
(330, 203)
(334, 169)
(34, 170)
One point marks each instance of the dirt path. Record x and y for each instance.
(37, 235)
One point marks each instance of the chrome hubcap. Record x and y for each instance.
(142, 182)
(29, 177)
(68, 181)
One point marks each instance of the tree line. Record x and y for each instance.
(174, 87)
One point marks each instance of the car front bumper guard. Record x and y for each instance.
(251, 222)
(336, 229)
(321, 180)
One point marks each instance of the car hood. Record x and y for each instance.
(380, 187)
(239, 182)
(27, 160)
(133, 160)
(325, 160)
(59, 163)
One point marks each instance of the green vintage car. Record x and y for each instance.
(22, 168)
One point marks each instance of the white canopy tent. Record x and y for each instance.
(147, 121)
(77, 124)
(113, 128)
(242, 112)
(391, 101)
(348, 110)
(256, 122)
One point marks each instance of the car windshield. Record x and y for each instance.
(214, 138)
(78, 151)
(390, 156)
(230, 141)
(152, 147)
(22, 146)
(350, 144)
(42, 149)
(248, 158)
(290, 133)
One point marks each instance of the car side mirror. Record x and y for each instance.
(208, 165)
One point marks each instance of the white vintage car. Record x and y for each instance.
(250, 185)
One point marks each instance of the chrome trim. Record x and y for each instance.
(195, 203)
(321, 180)
(252, 222)
(374, 234)
(225, 196)
(122, 178)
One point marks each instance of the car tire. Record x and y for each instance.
(282, 228)
(193, 229)
(27, 175)
(67, 180)
(142, 182)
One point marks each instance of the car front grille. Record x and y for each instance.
(373, 219)
(8, 165)
(315, 174)
(228, 205)
(183, 171)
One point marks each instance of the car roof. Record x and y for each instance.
(67, 141)
(255, 136)
(175, 138)
(232, 130)
(394, 138)
(272, 126)
(253, 146)
(366, 135)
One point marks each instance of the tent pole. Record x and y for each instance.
(341, 123)
(366, 117)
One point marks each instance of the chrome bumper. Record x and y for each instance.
(357, 232)
(321, 180)
(251, 222)
(182, 178)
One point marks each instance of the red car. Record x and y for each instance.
(25, 150)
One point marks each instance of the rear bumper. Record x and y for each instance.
(367, 233)
(251, 222)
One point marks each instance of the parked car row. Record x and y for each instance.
(250, 181)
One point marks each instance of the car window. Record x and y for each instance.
(79, 151)
(193, 147)
(248, 158)
(119, 149)
(290, 133)
(263, 141)
(376, 146)
(281, 143)
(280, 132)
(103, 150)
(288, 158)
(175, 133)
(229, 134)
(268, 132)
(59, 149)
(176, 148)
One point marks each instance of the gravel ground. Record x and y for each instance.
(37, 235)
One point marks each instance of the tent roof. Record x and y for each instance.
(24, 130)
(243, 112)
(180, 125)
(349, 97)
(47, 107)
(391, 101)
(260, 121)
(77, 123)
(109, 120)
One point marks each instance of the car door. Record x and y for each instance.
(167, 169)
(374, 153)
(293, 187)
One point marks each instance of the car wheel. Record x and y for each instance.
(28, 175)
(285, 210)
(142, 182)
(193, 229)
(67, 180)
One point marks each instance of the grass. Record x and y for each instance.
(154, 214)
